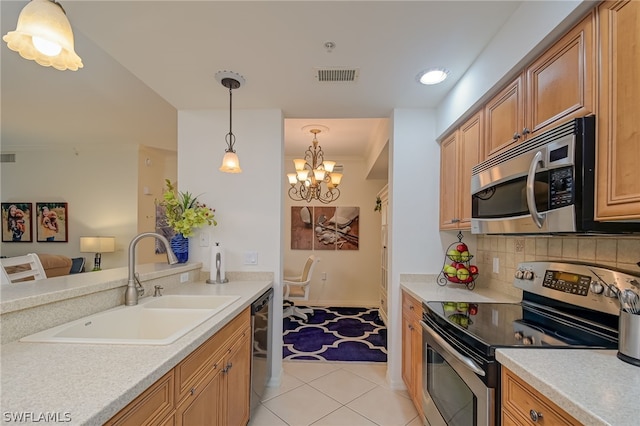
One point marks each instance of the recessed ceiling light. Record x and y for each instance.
(432, 76)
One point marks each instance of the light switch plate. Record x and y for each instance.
(204, 239)
(250, 257)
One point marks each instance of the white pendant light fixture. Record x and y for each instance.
(230, 161)
(43, 34)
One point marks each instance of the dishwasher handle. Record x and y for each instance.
(261, 302)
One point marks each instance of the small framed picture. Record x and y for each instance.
(16, 222)
(52, 220)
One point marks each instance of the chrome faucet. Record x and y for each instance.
(134, 288)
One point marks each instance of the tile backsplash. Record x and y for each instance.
(618, 252)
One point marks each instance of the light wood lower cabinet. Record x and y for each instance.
(523, 405)
(412, 348)
(211, 386)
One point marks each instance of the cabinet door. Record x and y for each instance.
(416, 356)
(504, 119)
(560, 83)
(470, 136)
(238, 382)
(448, 182)
(407, 353)
(151, 407)
(618, 156)
(203, 405)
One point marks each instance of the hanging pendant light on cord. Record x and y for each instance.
(43, 34)
(230, 162)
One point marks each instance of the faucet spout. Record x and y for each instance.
(133, 292)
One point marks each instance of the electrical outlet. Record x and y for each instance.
(324, 276)
(184, 277)
(496, 265)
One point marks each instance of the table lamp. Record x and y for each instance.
(97, 245)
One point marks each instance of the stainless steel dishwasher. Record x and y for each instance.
(261, 325)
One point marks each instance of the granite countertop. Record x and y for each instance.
(594, 386)
(89, 383)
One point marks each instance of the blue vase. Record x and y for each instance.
(180, 247)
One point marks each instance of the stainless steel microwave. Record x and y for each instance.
(543, 185)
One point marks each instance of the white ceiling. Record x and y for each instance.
(176, 47)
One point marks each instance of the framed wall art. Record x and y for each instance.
(325, 228)
(51, 223)
(17, 222)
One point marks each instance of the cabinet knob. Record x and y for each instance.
(535, 416)
(526, 131)
(516, 135)
(192, 391)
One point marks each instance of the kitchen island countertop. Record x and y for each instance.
(89, 383)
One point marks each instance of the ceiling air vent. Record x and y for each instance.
(337, 74)
(7, 158)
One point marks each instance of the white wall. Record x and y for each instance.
(353, 276)
(414, 238)
(98, 183)
(527, 32)
(248, 205)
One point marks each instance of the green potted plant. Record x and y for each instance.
(184, 213)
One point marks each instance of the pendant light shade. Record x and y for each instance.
(230, 163)
(43, 34)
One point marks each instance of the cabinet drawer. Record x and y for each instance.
(190, 371)
(151, 407)
(411, 306)
(519, 399)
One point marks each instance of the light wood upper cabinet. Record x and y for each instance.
(504, 118)
(558, 86)
(458, 154)
(618, 117)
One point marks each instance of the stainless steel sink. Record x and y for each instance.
(157, 321)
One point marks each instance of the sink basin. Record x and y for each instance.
(160, 321)
(179, 301)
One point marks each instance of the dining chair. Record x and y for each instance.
(296, 288)
(22, 268)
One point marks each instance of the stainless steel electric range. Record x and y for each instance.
(564, 305)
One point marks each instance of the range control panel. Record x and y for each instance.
(580, 284)
(567, 282)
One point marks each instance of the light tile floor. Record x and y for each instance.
(334, 394)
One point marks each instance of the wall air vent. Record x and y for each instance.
(336, 74)
(7, 158)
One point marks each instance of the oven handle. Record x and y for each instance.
(468, 362)
(530, 191)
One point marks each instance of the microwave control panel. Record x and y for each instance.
(561, 187)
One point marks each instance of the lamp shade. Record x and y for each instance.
(43, 34)
(97, 244)
(230, 163)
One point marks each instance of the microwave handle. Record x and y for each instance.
(538, 218)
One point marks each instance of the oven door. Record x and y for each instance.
(453, 394)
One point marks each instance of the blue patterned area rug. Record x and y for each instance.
(336, 334)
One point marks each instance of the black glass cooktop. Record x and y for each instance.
(486, 326)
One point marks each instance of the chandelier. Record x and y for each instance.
(312, 172)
